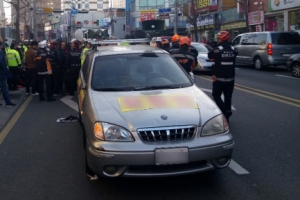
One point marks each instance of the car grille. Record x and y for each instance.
(167, 134)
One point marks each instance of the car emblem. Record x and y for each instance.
(164, 117)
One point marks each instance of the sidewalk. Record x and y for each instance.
(17, 97)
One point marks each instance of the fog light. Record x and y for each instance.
(110, 170)
(222, 160)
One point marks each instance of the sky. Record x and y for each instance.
(7, 10)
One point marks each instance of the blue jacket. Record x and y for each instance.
(4, 71)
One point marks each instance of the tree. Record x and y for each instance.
(18, 5)
(189, 10)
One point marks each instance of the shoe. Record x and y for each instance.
(10, 105)
(42, 98)
(35, 94)
(51, 99)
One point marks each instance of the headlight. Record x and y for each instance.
(201, 59)
(215, 126)
(110, 132)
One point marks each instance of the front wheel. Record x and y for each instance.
(258, 64)
(296, 69)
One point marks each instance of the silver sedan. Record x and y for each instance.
(204, 64)
(143, 115)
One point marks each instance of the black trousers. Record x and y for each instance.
(31, 80)
(225, 88)
(47, 79)
(57, 80)
(13, 82)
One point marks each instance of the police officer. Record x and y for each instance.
(165, 44)
(223, 72)
(87, 47)
(56, 69)
(175, 44)
(185, 58)
(44, 70)
(74, 67)
(14, 64)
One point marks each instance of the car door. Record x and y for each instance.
(246, 49)
(236, 43)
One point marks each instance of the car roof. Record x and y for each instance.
(115, 50)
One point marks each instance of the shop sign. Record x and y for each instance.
(163, 16)
(206, 27)
(147, 15)
(181, 21)
(127, 6)
(234, 25)
(205, 5)
(256, 17)
(274, 5)
(205, 20)
(228, 16)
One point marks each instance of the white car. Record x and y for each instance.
(204, 64)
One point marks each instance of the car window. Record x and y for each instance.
(247, 39)
(237, 40)
(260, 39)
(285, 38)
(202, 47)
(137, 72)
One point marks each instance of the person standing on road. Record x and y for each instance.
(4, 75)
(14, 64)
(63, 62)
(223, 72)
(87, 47)
(31, 70)
(57, 72)
(44, 70)
(185, 58)
(175, 44)
(74, 67)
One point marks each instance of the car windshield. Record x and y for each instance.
(286, 38)
(133, 72)
(202, 47)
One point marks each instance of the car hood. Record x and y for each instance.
(155, 108)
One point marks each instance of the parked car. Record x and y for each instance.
(143, 115)
(204, 64)
(293, 64)
(262, 49)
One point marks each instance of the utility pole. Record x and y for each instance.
(35, 32)
(176, 17)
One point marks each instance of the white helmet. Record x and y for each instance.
(42, 44)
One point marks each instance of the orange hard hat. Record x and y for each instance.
(176, 38)
(223, 36)
(184, 40)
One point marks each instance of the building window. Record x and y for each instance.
(99, 6)
(79, 6)
(86, 6)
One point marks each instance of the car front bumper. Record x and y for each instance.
(143, 164)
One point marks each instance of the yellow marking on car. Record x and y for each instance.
(265, 94)
(14, 119)
(135, 103)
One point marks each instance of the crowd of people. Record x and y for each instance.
(42, 67)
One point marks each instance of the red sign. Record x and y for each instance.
(256, 17)
(147, 15)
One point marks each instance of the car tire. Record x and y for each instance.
(296, 69)
(258, 64)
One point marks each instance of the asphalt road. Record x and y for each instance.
(41, 159)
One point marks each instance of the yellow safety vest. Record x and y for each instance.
(13, 58)
(83, 55)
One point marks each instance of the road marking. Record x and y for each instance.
(68, 100)
(284, 76)
(237, 168)
(208, 90)
(14, 119)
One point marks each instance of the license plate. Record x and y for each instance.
(171, 156)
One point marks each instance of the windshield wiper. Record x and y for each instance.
(113, 89)
(158, 87)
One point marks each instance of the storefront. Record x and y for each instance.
(206, 25)
(232, 22)
(282, 16)
(256, 21)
